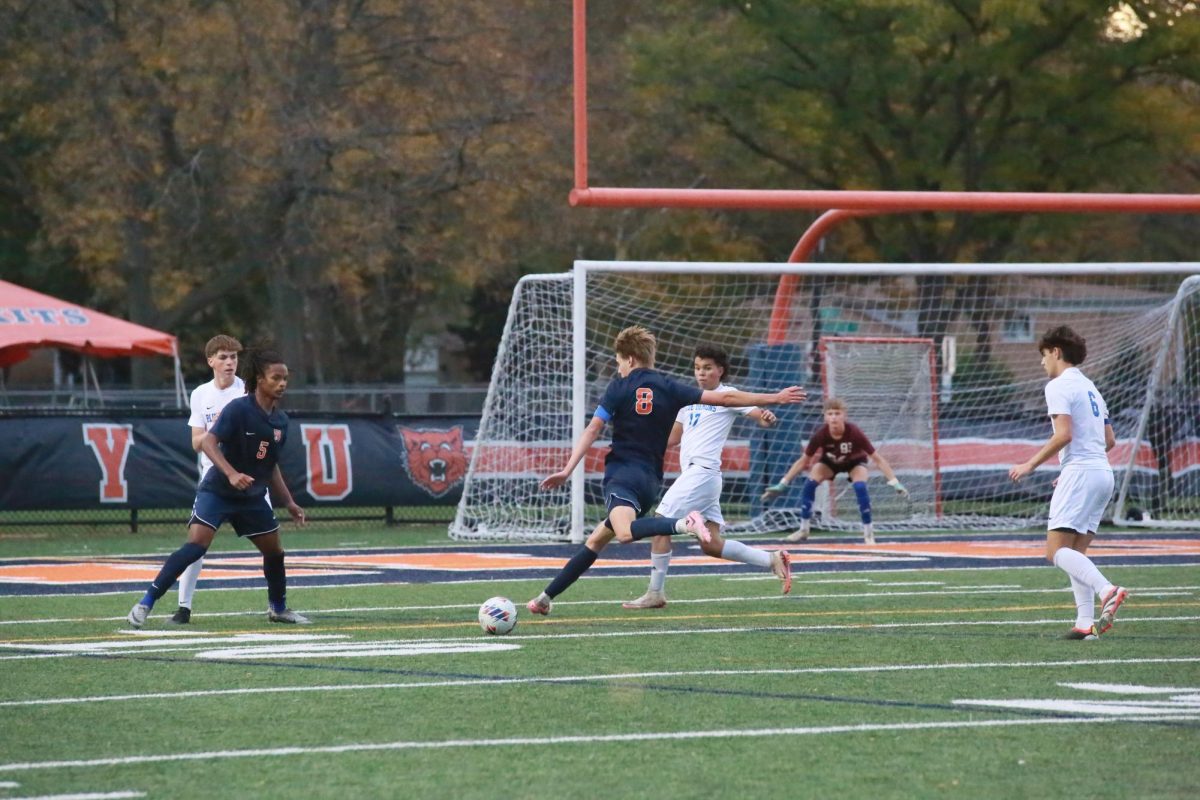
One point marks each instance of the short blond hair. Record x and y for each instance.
(221, 342)
(834, 404)
(637, 342)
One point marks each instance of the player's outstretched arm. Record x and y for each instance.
(279, 489)
(889, 474)
(1058, 440)
(736, 397)
(586, 440)
(798, 466)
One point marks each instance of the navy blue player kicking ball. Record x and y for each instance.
(642, 405)
(244, 446)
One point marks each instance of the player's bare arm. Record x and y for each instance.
(764, 416)
(676, 435)
(1057, 441)
(798, 467)
(197, 435)
(586, 440)
(1110, 440)
(736, 397)
(238, 480)
(280, 489)
(889, 474)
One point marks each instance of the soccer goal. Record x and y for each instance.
(937, 363)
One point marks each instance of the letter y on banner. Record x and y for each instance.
(111, 444)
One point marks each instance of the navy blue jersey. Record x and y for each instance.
(251, 440)
(642, 408)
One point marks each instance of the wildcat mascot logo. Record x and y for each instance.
(436, 459)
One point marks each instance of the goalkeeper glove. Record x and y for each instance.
(774, 490)
(898, 486)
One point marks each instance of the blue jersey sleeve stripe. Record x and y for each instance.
(603, 414)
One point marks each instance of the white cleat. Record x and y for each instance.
(868, 533)
(801, 534)
(651, 599)
(138, 614)
(695, 524)
(287, 616)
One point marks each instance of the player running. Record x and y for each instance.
(207, 401)
(642, 405)
(244, 447)
(1083, 435)
(836, 447)
(700, 431)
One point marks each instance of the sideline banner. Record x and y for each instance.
(117, 461)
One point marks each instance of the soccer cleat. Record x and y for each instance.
(287, 616)
(651, 599)
(802, 533)
(868, 533)
(694, 522)
(1112, 601)
(781, 565)
(137, 615)
(539, 605)
(182, 616)
(1082, 633)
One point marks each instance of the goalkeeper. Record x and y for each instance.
(836, 447)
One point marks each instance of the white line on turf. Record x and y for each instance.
(600, 677)
(544, 741)
(82, 796)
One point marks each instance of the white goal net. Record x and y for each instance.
(938, 365)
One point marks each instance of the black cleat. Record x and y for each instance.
(182, 616)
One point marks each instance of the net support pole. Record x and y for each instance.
(578, 393)
(1160, 364)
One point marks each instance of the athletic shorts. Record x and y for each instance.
(1080, 499)
(626, 485)
(696, 489)
(249, 516)
(845, 467)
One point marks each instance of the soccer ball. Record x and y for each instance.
(498, 616)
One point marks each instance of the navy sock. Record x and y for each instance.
(579, 564)
(276, 581)
(176, 563)
(864, 501)
(808, 494)
(646, 527)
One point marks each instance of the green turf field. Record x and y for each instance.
(859, 684)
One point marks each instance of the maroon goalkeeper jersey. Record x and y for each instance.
(853, 446)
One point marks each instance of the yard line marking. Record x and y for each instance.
(964, 590)
(600, 677)
(613, 738)
(9, 784)
(1126, 688)
(83, 796)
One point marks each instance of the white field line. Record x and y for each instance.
(545, 741)
(602, 677)
(202, 644)
(1148, 591)
(83, 796)
(708, 572)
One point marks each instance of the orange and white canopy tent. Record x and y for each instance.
(30, 319)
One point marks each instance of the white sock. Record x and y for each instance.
(736, 551)
(658, 570)
(1085, 604)
(1081, 568)
(187, 582)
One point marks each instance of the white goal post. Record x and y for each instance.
(951, 429)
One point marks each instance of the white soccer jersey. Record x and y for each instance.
(705, 429)
(207, 402)
(1072, 393)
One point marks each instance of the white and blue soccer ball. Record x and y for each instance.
(498, 616)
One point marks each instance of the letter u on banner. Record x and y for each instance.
(111, 444)
(327, 454)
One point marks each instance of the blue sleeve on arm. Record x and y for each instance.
(602, 413)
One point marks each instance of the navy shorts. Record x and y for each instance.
(626, 485)
(846, 466)
(249, 516)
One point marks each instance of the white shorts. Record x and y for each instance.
(696, 489)
(1079, 499)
